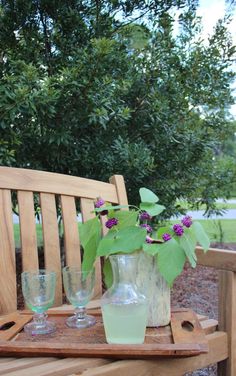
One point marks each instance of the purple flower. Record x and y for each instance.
(144, 216)
(149, 240)
(147, 227)
(99, 203)
(178, 229)
(166, 237)
(111, 222)
(187, 221)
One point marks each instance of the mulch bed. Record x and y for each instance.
(198, 288)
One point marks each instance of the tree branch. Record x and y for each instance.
(47, 44)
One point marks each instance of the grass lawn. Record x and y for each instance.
(220, 230)
(226, 206)
(17, 235)
(219, 205)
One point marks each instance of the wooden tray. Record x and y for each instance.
(183, 337)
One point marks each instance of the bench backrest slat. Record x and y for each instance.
(58, 197)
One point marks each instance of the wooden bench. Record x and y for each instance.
(55, 192)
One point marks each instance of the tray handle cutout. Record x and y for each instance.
(7, 325)
(187, 325)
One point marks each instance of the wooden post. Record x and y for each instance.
(8, 297)
(87, 208)
(119, 183)
(227, 319)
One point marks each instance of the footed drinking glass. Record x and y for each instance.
(79, 287)
(38, 289)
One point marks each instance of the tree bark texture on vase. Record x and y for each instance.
(154, 286)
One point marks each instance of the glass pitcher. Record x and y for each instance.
(124, 307)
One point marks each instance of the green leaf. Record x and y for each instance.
(188, 243)
(126, 240)
(107, 271)
(170, 260)
(148, 196)
(151, 209)
(201, 235)
(151, 249)
(105, 245)
(126, 218)
(164, 230)
(89, 255)
(90, 235)
(88, 229)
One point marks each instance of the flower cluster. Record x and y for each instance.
(147, 227)
(100, 202)
(144, 216)
(179, 229)
(111, 222)
(187, 221)
(166, 237)
(135, 230)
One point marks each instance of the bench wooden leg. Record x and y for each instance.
(227, 319)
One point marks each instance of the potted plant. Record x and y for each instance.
(162, 251)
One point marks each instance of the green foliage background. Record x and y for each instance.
(96, 88)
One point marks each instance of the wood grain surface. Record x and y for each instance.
(175, 340)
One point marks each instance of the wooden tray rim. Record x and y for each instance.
(65, 349)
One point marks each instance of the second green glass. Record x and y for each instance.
(79, 287)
